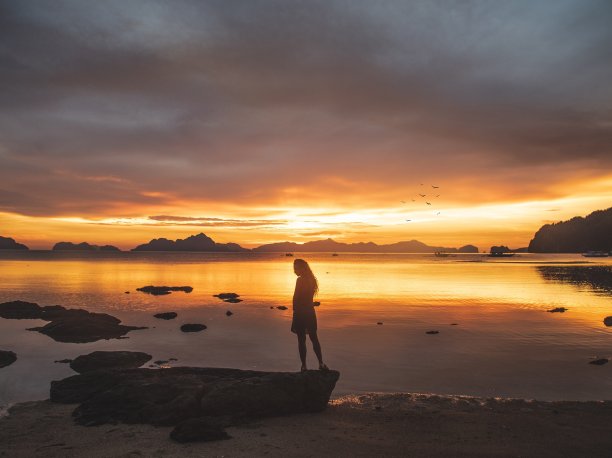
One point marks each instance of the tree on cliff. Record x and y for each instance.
(577, 235)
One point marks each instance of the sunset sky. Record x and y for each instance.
(261, 121)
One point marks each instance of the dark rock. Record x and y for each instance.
(80, 326)
(63, 361)
(608, 321)
(229, 313)
(7, 243)
(454, 324)
(227, 295)
(163, 290)
(557, 310)
(166, 315)
(102, 360)
(232, 301)
(199, 242)
(83, 246)
(20, 310)
(432, 332)
(380, 323)
(468, 249)
(599, 362)
(126, 292)
(191, 327)
(201, 429)
(7, 358)
(281, 307)
(67, 325)
(178, 394)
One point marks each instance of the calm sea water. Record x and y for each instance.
(504, 342)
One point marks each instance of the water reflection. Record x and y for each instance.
(598, 278)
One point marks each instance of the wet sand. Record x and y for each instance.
(414, 425)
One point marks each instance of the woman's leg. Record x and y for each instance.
(301, 336)
(316, 346)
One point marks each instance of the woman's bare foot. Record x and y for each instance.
(323, 367)
(304, 368)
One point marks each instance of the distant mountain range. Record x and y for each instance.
(84, 246)
(594, 232)
(199, 242)
(7, 243)
(329, 245)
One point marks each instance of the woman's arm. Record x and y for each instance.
(300, 295)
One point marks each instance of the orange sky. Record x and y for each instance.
(256, 122)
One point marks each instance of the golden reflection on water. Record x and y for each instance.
(349, 284)
(505, 343)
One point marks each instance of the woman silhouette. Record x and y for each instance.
(304, 316)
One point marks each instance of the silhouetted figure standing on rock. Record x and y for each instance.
(304, 316)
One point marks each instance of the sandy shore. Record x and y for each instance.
(370, 425)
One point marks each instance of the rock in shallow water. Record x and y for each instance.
(99, 360)
(7, 358)
(172, 396)
(227, 296)
(557, 310)
(608, 321)
(166, 315)
(193, 327)
(67, 325)
(163, 290)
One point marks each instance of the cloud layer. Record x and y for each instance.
(151, 107)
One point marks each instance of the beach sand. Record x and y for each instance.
(408, 425)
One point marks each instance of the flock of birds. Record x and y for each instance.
(423, 197)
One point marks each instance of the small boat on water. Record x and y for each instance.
(596, 254)
(500, 254)
(288, 254)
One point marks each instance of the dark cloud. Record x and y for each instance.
(282, 102)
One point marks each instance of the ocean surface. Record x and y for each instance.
(495, 337)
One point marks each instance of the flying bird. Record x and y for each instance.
(408, 220)
(435, 187)
(438, 213)
(427, 203)
(438, 195)
(413, 200)
(422, 195)
(403, 201)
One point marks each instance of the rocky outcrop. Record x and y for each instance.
(166, 315)
(7, 243)
(163, 290)
(176, 396)
(199, 242)
(7, 358)
(468, 249)
(232, 298)
(83, 246)
(67, 325)
(101, 360)
(593, 232)
(193, 327)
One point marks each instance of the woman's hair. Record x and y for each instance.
(303, 270)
